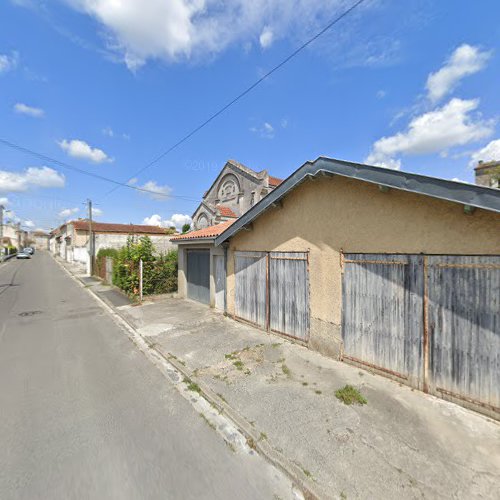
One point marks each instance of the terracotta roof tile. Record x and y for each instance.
(206, 232)
(226, 211)
(274, 181)
(106, 227)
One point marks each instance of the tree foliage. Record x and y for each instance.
(159, 271)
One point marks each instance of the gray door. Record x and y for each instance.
(198, 275)
(383, 312)
(289, 294)
(251, 287)
(220, 281)
(464, 327)
(433, 320)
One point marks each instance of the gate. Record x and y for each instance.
(464, 328)
(272, 291)
(289, 294)
(431, 320)
(251, 287)
(198, 275)
(382, 312)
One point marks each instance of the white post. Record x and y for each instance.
(140, 280)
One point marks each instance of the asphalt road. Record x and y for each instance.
(84, 414)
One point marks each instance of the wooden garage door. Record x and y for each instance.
(464, 327)
(431, 319)
(289, 294)
(198, 275)
(383, 312)
(251, 287)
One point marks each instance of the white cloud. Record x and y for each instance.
(465, 60)
(139, 30)
(80, 149)
(266, 38)
(29, 223)
(68, 212)
(8, 63)
(24, 109)
(177, 221)
(160, 192)
(4, 201)
(108, 132)
(436, 131)
(266, 130)
(96, 212)
(43, 177)
(490, 152)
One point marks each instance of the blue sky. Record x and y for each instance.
(107, 86)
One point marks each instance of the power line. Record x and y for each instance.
(242, 94)
(49, 159)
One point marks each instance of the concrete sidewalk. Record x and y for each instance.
(401, 444)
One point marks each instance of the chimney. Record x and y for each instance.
(488, 174)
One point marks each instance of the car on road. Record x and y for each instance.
(29, 250)
(23, 255)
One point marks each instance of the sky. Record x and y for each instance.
(107, 86)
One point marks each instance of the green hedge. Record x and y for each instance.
(159, 271)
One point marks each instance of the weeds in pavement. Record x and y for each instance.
(286, 370)
(263, 436)
(317, 391)
(350, 395)
(192, 386)
(239, 364)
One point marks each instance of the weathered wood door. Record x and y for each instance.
(220, 281)
(432, 320)
(464, 327)
(383, 311)
(251, 287)
(289, 294)
(198, 275)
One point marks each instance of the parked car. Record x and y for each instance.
(23, 255)
(29, 250)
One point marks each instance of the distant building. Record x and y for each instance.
(40, 239)
(70, 241)
(236, 189)
(488, 174)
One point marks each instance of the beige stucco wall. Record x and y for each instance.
(328, 215)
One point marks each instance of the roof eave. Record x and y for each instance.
(465, 194)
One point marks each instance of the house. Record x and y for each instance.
(389, 270)
(488, 173)
(235, 190)
(70, 241)
(41, 239)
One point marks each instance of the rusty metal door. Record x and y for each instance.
(464, 328)
(382, 320)
(251, 287)
(289, 294)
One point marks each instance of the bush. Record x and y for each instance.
(159, 271)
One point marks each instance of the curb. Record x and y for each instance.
(310, 490)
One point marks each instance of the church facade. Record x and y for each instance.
(236, 189)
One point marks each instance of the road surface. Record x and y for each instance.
(84, 414)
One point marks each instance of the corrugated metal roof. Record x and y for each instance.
(458, 192)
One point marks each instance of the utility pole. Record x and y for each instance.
(91, 239)
(2, 208)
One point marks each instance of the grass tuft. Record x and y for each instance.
(350, 395)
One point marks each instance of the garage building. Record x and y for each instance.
(393, 271)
